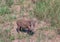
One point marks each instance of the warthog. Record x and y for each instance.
(25, 25)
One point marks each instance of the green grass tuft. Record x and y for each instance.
(48, 9)
(9, 2)
(4, 10)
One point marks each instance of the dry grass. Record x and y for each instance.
(47, 13)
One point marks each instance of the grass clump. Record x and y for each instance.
(6, 36)
(48, 9)
(9, 2)
(21, 1)
(4, 10)
(1, 40)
